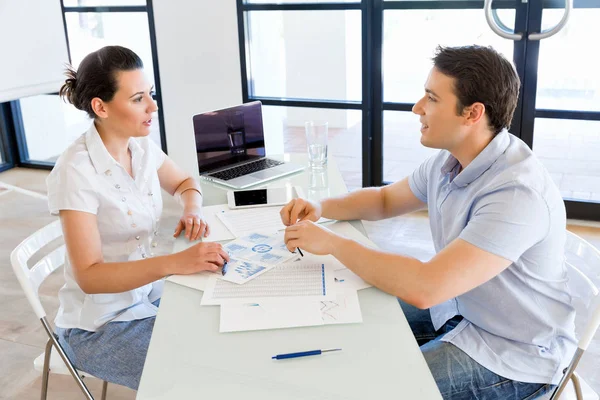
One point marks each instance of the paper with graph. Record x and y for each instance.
(269, 314)
(344, 309)
(260, 248)
(307, 281)
(253, 255)
(240, 272)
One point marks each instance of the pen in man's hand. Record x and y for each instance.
(300, 251)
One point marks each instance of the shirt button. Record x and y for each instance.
(108, 173)
(129, 212)
(133, 225)
(137, 238)
(123, 199)
(118, 186)
(154, 244)
(143, 255)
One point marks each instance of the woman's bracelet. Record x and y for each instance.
(190, 188)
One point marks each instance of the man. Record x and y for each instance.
(491, 310)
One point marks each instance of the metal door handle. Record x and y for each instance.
(501, 31)
(561, 24)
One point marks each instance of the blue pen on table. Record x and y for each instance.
(302, 354)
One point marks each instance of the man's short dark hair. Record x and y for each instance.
(481, 74)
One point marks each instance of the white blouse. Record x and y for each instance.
(87, 178)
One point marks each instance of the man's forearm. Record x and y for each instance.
(361, 204)
(393, 273)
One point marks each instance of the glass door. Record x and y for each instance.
(561, 119)
(303, 60)
(411, 32)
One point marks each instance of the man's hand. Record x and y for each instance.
(310, 237)
(300, 209)
(193, 223)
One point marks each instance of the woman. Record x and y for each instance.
(106, 189)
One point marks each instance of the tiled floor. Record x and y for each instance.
(23, 210)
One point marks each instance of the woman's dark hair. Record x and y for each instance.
(481, 74)
(97, 76)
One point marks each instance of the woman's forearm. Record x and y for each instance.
(117, 277)
(189, 193)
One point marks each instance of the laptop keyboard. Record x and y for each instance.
(246, 169)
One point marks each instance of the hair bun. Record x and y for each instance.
(67, 91)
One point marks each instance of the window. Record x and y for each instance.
(45, 125)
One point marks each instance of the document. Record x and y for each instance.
(260, 248)
(218, 230)
(195, 281)
(348, 280)
(242, 222)
(270, 314)
(307, 281)
(240, 272)
(259, 219)
(345, 309)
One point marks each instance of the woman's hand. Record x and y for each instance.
(200, 257)
(193, 223)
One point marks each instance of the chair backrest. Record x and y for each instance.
(583, 266)
(31, 279)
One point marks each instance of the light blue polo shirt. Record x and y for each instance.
(520, 324)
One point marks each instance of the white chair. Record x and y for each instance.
(583, 266)
(54, 358)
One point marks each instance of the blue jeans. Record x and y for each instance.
(115, 353)
(457, 375)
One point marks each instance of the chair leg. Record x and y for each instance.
(68, 363)
(577, 386)
(104, 389)
(46, 370)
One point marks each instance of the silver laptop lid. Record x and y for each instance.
(229, 136)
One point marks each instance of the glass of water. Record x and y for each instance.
(316, 140)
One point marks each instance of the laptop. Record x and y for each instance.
(230, 145)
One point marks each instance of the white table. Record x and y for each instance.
(188, 358)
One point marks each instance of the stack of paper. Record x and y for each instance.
(289, 295)
(267, 287)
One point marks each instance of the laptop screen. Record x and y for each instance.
(229, 136)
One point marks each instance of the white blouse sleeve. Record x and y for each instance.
(69, 188)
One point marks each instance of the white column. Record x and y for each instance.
(199, 63)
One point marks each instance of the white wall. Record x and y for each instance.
(199, 65)
(33, 48)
